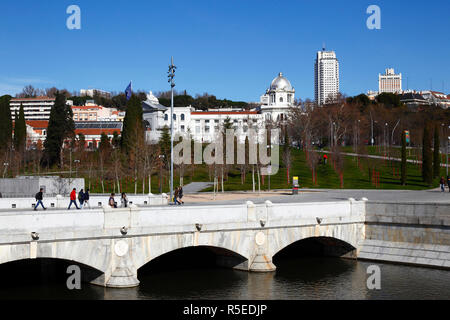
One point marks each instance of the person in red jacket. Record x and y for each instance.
(73, 198)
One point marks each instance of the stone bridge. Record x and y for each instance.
(117, 242)
(112, 244)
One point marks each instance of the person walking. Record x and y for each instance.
(180, 194)
(124, 200)
(175, 198)
(112, 203)
(448, 183)
(81, 198)
(442, 183)
(73, 199)
(39, 197)
(86, 199)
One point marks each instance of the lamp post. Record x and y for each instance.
(160, 173)
(448, 143)
(76, 167)
(171, 76)
(5, 164)
(269, 168)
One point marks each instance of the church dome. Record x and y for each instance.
(281, 83)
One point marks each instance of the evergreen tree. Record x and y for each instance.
(20, 131)
(132, 125)
(5, 122)
(436, 155)
(105, 144)
(60, 127)
(403, 167)
(164, 144)
(116, 140)
(427, 163)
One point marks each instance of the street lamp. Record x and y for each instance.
(269, 171)
(6, 164)
(76, 167)
(171, 76)
(160, 173)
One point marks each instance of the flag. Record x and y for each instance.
(128, 92)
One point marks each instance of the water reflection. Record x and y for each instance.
(295, 279)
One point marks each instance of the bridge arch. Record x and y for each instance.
(30, 270)
(195, 257)
(345, 235)
(223, 244)
(316, 246)
(92, 254)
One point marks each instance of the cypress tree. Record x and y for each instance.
(436, 155)
(132, 124)
(5, 122)
(403, 168)
(60, 127)
(427, 164)
(164, 144)
(20, 131)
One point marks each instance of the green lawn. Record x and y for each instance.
(355, 176)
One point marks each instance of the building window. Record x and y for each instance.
(197, 129)
(166, 117)
(206, 121)
(182, 128)
(206, 129)
(182, 117)
(281, 99)
(174, 117)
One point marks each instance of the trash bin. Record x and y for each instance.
(295, 186)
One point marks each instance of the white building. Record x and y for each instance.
(326, 77)
(93, 112)
(204, 125)
(92, 92)
(390, 82)
(34, 108)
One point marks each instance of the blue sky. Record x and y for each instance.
(231, 48)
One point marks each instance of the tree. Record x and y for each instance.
(132, 126)
(403, 167)
(5, 122)
(164, 145)
(116, 140)
(20, 131)
(436, 155)
(60, 127)
(427, 165)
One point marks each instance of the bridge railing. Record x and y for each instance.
(107, 222)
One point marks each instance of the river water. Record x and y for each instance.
(295, 279)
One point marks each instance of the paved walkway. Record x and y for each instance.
(380, 157)
(196, 187)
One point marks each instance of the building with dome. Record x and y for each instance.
(204, 126)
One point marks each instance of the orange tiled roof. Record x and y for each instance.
(37, 124)
(96, 131)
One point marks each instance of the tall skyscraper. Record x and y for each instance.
(390, 82)
(326, 77)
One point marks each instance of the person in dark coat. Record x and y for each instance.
(81, 198)
(86, 198)
(39, 197)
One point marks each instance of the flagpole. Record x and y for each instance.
(172, 85)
